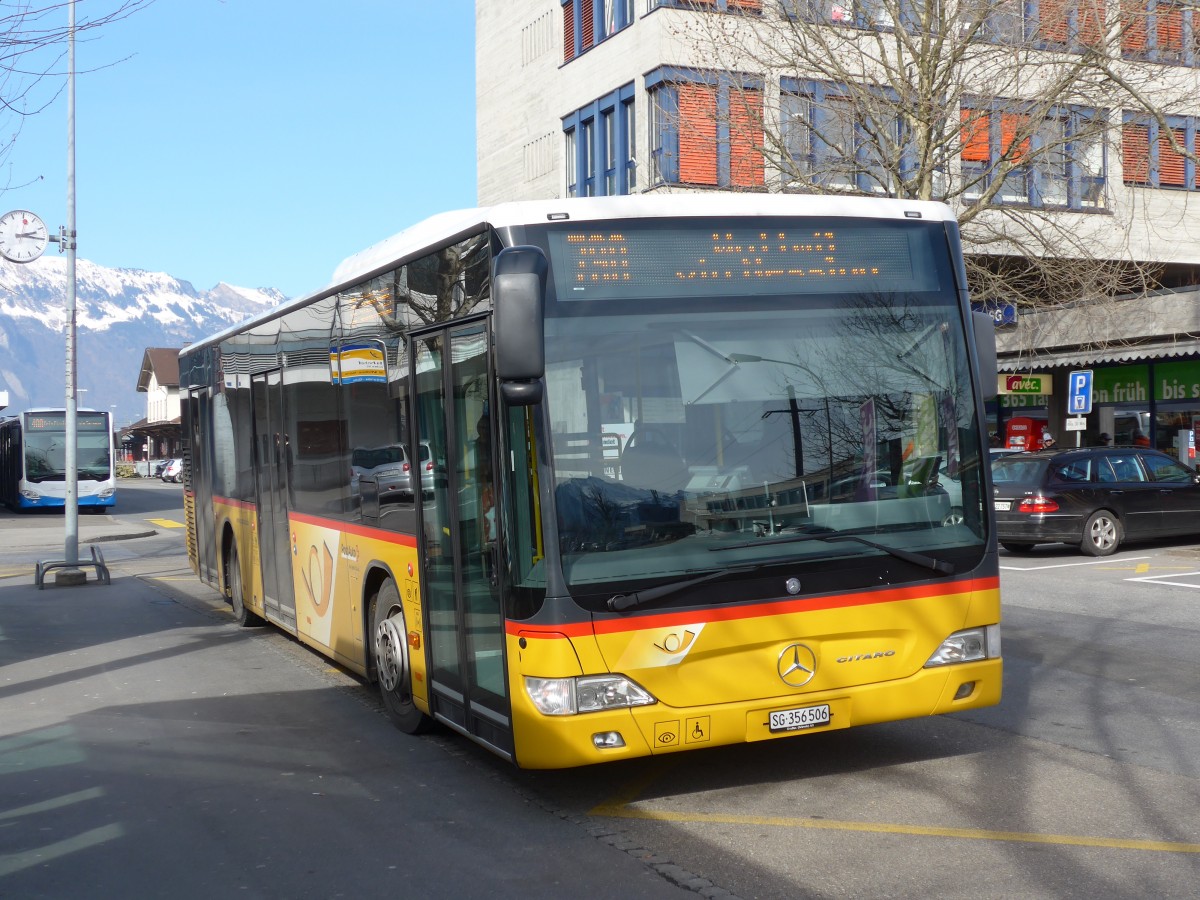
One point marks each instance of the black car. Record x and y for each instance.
(1096, 497)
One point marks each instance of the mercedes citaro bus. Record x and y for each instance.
(702, 470)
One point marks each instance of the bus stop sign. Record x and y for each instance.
(1079, 393)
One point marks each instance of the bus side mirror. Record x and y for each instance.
(985, 353)
(518, 316)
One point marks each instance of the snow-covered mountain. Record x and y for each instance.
(118, 314)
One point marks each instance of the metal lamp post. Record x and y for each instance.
(69, 572)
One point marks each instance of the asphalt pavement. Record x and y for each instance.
(38, 534)
(149, 747)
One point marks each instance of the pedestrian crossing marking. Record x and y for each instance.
(166, 523)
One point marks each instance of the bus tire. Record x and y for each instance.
(389, 645)
(237, 596)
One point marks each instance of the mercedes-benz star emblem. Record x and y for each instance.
(797, 665)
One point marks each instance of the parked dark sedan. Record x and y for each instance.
(1096, 497)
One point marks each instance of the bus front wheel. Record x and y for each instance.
(391, 660)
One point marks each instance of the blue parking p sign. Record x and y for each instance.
(1079, 393)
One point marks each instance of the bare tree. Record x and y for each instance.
(1011, 117)
(33, 49)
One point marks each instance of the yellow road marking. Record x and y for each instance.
(166, 523)
(16, 573)
(1144, 567)
(619, 810)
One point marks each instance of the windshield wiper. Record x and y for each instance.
(622, 602)
(918, 559)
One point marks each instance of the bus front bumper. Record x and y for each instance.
(554, 742)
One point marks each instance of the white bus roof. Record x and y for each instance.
(642, 206)
(440, 228)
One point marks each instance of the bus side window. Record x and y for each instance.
(522, 520)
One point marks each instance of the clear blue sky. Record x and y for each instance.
(255, 142)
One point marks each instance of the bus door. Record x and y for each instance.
(459, 577)
(200, 441)
(271, 470)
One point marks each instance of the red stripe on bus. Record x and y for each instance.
(754, 611)
(240, 504)
(379, 534)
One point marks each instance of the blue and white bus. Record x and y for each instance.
(33, 459)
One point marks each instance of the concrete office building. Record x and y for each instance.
(596, 97)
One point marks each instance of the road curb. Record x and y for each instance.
(99, 539)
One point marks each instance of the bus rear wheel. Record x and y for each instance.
(237, 597)
(392, 667)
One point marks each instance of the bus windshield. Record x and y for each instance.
(745, 428)
(46, 448)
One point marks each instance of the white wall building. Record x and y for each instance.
(159, 435)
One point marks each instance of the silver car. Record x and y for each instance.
(387, 472)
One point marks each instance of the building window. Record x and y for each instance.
(608, 128)
(630, 145)
(1054, 24)
(706, 129)
(588, 129)
(795, 113)
(1149, 158)
(834, 140)
(588, 22)
(599, 146)
(751, 7)
(572, 170)
(1057, 161)
(858, 13)
(1161, 31)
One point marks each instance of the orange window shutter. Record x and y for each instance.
(697, 134)
(749, 5)
(1053, 21)
(569, 32)
(745, 139)
(1169, 23)
(1135, 153)
(1091, 22)
(1133, 25)
(973, 133)
(1011, 125)
(588, 24)
(1170, 162)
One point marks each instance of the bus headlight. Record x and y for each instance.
(590, 693)
(31, 496)
(968, 646)
(106, 493)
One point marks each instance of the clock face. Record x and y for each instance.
(23, 236)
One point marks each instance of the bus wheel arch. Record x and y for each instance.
(389, 657)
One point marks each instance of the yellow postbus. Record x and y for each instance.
(592, 479)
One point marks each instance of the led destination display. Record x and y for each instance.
(597, 263)
(57, 421)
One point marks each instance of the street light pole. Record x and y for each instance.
(69, 572)
(71, 503)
